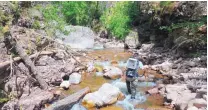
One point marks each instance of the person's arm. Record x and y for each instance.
(141, 65)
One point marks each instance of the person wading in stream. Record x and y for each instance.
(133, 65)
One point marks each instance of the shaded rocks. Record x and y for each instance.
(75, 78)
(165, 66)
(79, 37)
(112, 72)
(106, 95)
(35, 101)
(59, 55)
(146, 47)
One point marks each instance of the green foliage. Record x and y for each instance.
(3, 100)
(191, 25)
(117, 19)
(165, 3)
(36, 24)
(79, 12)
(53, 19)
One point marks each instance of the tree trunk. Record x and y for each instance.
(30, 65)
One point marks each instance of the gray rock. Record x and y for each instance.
(39, 98)
(60, 55)
(153, 91)
(65, 84)
(132, 39)
(179, 95)
(114, 44)
(205, 97)
(178, 61)
(195, 102)
(191, 63)
(147, 47)
(75, 78)
(79, 37)
(193, 108)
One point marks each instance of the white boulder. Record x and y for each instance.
(106, 95)
(75, 78)
(65, 84)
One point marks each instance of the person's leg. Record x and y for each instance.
(133, 89)
(128, 86)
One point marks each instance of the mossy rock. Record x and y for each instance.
(36, 24)
(34, 13)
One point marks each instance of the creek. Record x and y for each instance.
(117, 58)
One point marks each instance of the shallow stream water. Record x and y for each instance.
(118, 58)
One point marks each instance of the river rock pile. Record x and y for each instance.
(186, 88)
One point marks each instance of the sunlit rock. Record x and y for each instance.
(112, 72)
(79, 37)
(106, 95)
(65, 84)
(132, 39)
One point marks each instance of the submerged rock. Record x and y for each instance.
(90, 67)
(106, 95)
(78, 107)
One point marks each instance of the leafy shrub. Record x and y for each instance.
(53, 18)
(79, 12)
(117, 19)
(36, 24)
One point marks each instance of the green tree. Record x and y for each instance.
(117, 19)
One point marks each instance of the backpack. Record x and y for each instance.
(130, 73)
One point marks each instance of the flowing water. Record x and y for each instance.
(118, 58)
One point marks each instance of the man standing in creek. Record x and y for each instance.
(133, 65)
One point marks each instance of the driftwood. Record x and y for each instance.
(30, 65)
(15, 47)
(16, 59)
(66, 103)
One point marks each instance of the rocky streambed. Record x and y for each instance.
(106, 72)
(170, 81)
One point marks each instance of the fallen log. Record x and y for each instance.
(68, 102)
(7, 63)
(28, 62)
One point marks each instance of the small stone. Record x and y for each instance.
(205, 97)
(65, 84)
(153, 91)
